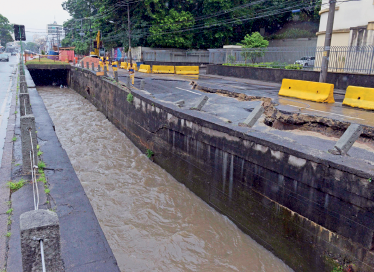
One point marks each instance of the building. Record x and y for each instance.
(55, 34)
(353, 23)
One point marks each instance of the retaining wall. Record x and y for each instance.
(309, 208)
(340, 80)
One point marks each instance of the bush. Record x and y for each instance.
(294, 67)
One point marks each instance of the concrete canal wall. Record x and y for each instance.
(308, 207)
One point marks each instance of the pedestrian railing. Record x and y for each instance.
(347, 59)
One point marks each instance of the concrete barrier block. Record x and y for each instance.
(24, 104)
(23, 87)
(254, 116)
(142, 84)
(359, 97)
(200, 103)
(345, 142)
(27, 123)
(35, 226)
(180, 103)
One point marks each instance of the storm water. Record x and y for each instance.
(151, 221)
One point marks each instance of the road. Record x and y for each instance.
(171, 88)
(7, 79)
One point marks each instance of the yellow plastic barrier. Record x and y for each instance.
(161, 69)
(145, 68)
(123, 65)
(308, 90)
(359, 97)
(187, 70)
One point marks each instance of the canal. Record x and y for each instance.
(151, 221)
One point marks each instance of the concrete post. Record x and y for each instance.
(105, 71)
(28, 124)
(128, 82)
(98, 68)
(24, 104)
(87, 65)
(254, 116)
(180, 103)
(142, 84)
(23, 87)
(200, 103)
(22, 78)
(93, 66)
(36, 226)
(349, 137)
(116, 76)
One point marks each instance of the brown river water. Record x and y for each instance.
(151, 221)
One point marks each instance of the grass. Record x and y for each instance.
(9, 211)
(8, 234)
(37, 147)
(149, 153)
(40, 153)
(14, 186)
(15, 112)
(130, 98)
(46, 61)
(47, 191)
(42, 178)
(41, 165)
(14, 139)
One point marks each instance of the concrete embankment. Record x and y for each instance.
(308, 207)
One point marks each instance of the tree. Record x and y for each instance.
(5, 31)
(253, 41)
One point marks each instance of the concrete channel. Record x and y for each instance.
(310, 208)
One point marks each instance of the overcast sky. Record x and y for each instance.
(34, 14)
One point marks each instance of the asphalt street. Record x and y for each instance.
(172, 88)
(7, 79)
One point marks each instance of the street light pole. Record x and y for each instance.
(328, 37)
(129, 29)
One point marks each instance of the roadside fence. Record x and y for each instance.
(348, 59)
(176, 56)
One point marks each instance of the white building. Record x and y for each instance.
(353, 23)
(55, 34)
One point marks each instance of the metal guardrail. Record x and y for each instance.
(348, 59)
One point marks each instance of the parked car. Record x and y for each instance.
(306, 61)
(4, 57)
(14, 54)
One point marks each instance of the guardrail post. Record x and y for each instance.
(87, 65)
(254, 116)
(116, 76)
(98, 68)
(36, 226)
(200, 104)
(93, 66)
(345, 142)
(128, 85)
(24, 104)
(142, 84)
(28, 125)
(105, 71)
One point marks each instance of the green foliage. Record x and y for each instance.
(37, 147)
(41, 166)
(294, 67)
(5, 30)
(370, 179)
(149, 153)
(338, 269)
(47, 191)
(294, 33)
(253, 41)
(40, 153)
(9, 211)
(130, 98)
(8, 234)
(43, 52)
(14, 186)
(278, 65)
(14, 139)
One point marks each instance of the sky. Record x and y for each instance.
(34, 14)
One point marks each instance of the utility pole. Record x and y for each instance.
(328, 36)
(129, 29)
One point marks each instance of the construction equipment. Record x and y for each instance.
(97, 44)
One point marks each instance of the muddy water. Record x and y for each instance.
(151, 221)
